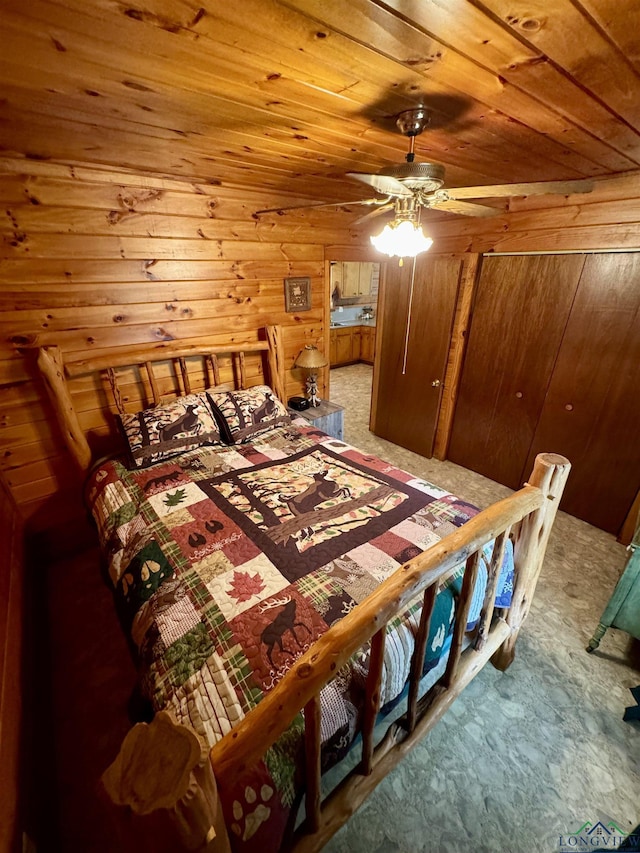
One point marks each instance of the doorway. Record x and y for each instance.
(352, 334)
(354, 308)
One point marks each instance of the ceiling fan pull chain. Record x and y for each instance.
(408, 328)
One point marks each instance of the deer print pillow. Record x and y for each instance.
(248, 413)
(170, 429)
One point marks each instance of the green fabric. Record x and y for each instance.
(623, 609)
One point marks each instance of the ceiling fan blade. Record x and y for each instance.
(536, 188)
(465, 208)
(383, 183)
(385, 208)
(318, 204)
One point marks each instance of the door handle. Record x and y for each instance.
(436, 383)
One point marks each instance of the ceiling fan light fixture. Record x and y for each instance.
(401, 238)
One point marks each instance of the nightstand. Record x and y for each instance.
(329, 417)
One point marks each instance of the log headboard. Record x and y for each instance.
(55, 372)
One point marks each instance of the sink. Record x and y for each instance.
(336, 325)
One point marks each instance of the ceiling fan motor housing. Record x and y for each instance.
(413, 122)
(425, 177)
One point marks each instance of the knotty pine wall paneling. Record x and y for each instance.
(11, 674)
(606, 218)
(95, 260)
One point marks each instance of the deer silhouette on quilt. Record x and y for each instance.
(265, 410)
(322, 489)
(284, 622)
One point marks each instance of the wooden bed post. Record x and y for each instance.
(51, 367)
(549, 474)
(163, 765)
(276, 362)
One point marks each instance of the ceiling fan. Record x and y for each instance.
(408, 187)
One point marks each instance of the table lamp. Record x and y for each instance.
(311, 360)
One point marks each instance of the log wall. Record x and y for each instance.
(606, 218)
(94, 260)
(11, 668)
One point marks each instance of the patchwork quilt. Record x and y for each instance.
(228, 562)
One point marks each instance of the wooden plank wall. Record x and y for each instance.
(606, 218)
(11, 666)
(94, 259)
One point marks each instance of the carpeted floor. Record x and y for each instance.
(529, 755)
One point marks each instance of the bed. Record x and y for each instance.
(288, 597)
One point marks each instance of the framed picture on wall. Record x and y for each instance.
(297, 294)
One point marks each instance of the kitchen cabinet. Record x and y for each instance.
(367, 344)
(365, 278)
(344, 348)
(351, 343)
(356, 343)
(354, 278)
(333, 348)
(350, 279)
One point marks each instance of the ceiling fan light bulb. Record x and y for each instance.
(401, 238)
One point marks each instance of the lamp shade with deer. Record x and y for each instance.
(311, 359)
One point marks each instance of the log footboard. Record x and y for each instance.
(549, 475)
(163, 765)
(526, 517)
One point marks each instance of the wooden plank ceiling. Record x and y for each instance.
(288, 96)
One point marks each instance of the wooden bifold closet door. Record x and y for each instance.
(521, 309)
(553, 363)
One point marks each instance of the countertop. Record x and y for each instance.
(347, 323)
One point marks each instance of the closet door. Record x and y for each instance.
(405, 406)
(591, 413)
(519, 316)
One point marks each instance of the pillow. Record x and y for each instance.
(243, 415)
(170, 429)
